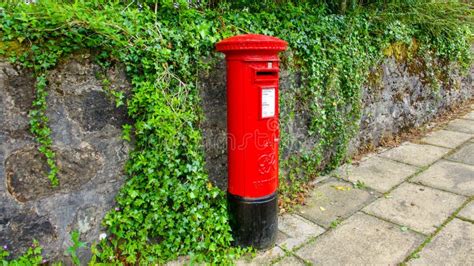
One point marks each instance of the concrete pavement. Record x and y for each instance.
(411, 204)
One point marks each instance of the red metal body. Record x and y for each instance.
(252, 113)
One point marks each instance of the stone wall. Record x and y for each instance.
(86, 133)
(396, 98)
(90, 153)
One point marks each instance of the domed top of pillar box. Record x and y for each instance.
(251, 42)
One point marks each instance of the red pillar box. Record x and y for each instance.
(253, 136)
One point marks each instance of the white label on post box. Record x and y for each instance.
(268, 102)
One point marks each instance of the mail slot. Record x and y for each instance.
(253, 136)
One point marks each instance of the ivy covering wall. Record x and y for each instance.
(167, 206)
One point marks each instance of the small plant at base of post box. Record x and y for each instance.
(253, 136)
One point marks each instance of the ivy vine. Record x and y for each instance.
(40, 129)
(167, 206)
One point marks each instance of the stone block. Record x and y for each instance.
(415, 154)
(90, 154)
(467, 212)
(361, 240)
(464, 155)
(446, 138)
(262, 258)
(461, 125)
(290, 260)
(418, 207)
(297, 230)
(18, 228)
(26, 171)
(378, 173)
(454, 245)
(335, 200)
(450, 176)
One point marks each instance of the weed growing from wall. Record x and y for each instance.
(31, 257)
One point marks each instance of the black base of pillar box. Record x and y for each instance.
(254, 221)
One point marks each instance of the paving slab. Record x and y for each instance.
(469, 116)
(454, 245)
(361, 240)
(467, 212)
(450, 176)
(296, 230)
(334, 200)
(418, 207)
(378, 173)
(415, 154)
(262, 258)
(290, 260)
(464, 155)
(446, 138)
(461, 125)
